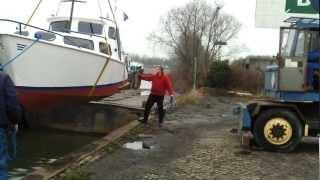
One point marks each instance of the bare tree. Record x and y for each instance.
(195, 31)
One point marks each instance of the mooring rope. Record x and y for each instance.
(18, 55)
(109, 51)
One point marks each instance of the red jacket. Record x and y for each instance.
(160, 84)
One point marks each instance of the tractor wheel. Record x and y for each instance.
(277, 130)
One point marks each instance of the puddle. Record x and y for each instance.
(226, 115)
(50, 161)
(137, 145)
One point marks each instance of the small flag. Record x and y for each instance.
(125, 16)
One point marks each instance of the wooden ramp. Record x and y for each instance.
(128, 99)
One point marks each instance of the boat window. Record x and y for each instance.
(90, 28)
(60, 26)
(79, 42)
(112, 34)
(104, 48)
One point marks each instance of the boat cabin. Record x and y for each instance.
(88, 34)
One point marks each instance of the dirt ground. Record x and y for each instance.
(196, 143)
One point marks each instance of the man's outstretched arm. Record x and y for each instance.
(146, 77)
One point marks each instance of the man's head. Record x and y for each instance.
(158, 70)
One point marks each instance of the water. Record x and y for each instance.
(137, 145)
(39, 147)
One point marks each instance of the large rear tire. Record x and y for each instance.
(278, 130)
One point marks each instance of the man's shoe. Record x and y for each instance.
(142, 121)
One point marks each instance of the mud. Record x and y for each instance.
(200, 142)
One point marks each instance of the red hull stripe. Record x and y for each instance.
(37, 98)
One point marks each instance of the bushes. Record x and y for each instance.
(251, 80)
(219, 75)
(223, 76)
(192, 97)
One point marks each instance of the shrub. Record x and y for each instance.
(219, 75)
(77, 174)
(247, 79)
(190, 98)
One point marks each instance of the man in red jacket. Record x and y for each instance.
(160, 85)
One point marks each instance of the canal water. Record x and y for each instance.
(39, 147)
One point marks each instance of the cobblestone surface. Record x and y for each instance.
(196, 144)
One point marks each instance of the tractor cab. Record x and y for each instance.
(297, 76)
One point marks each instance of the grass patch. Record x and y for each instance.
(191, 98)
(77, 174)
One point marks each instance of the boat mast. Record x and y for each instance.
(71, 14)
(117, 30)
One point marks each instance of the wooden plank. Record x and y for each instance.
(114, 104)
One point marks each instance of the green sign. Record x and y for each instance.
(300, 7)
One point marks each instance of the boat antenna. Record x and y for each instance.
(58, 8)
(112, 12)
(100, 9)
(71, 11)
(117, 30)
(115, 5)
(71, 15)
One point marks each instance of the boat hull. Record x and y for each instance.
(47, 74)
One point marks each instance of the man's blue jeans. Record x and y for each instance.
(3, 155)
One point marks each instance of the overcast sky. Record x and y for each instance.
(144, 18)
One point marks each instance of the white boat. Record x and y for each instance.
(80, 61)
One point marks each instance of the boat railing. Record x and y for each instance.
(20, 24)
(20, 31)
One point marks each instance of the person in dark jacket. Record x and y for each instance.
(160, 85)
(10, 113)
(316, 80)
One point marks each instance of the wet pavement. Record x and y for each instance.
(197, 142)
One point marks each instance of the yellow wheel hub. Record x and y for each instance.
(278, 131)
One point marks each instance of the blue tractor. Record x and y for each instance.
(291, 107)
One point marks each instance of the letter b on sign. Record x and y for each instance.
(302, 6)
(303, 3)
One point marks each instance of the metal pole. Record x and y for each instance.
(194, 73)
(20, 32)
(71, 15)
